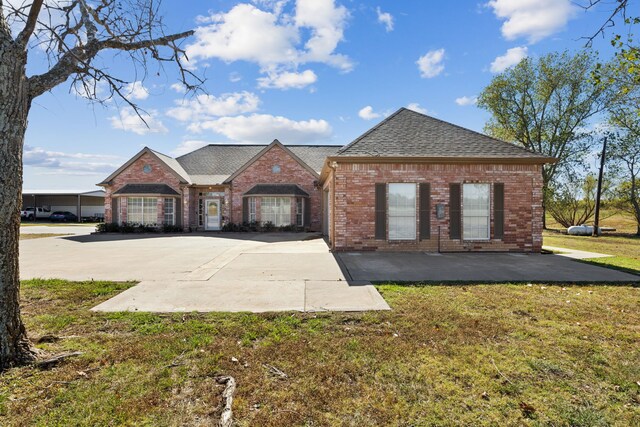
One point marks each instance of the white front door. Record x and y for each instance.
(212, 213)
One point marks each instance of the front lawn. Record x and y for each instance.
(445, 355)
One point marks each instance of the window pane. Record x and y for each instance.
(475, 206)
(402, 211)
(276, 210)
(134, 210)
(252, 209)
(169, 211)
(150, 210)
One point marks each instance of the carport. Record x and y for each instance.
(84, 204)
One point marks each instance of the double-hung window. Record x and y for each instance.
(252, 209)
(475, 211)
(169, 211)
(402, 211)
(299, 211)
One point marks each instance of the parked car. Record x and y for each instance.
(63, 216)
(32, 214)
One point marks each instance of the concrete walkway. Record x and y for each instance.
(574, 253)
(204, 272)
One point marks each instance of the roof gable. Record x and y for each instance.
(171, 163)
(407, 133)
(266, 149)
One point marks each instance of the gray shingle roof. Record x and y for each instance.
(223, 160)
(407, 133)
(163, 189)
(276, 190)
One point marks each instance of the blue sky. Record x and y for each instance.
(302, 71)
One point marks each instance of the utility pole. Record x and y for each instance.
(599, 191)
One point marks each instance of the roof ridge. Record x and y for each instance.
(355, 141)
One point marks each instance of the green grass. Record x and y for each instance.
(625, 248)
(539, 355)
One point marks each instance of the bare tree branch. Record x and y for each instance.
(32, 19)
(620, 9)
(72, 60)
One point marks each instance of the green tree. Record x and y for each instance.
(545, 105)
(625, 155)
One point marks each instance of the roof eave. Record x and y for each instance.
(448, 160)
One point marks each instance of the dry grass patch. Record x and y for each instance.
(445, 355)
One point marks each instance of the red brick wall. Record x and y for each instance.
(260, 172)
(133, 174)
(354, 197)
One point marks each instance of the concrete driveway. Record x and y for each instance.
(474, 267)
(204, 272)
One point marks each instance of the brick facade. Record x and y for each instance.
(291, 172)
(352, 209)
(350, 193)
(134, 174)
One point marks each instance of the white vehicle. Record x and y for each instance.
(32, 214)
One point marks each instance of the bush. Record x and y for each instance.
(268, 226)
(170, 228)
(107, 227)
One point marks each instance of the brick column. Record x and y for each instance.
(185, 208)
(108, 215)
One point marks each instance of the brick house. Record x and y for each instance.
(410, 183)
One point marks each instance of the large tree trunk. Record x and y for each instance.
(14, 107)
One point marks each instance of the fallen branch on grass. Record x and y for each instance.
(53, 361)
(500, 372)
(275, 371)
(226, 418)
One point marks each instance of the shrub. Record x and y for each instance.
(268, 226)
(107, 227)
(170, 228)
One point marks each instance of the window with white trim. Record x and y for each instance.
(252, 209)
(299, 211)
(276, 210)
(402, 211)
(170, 211)
(475, 211)
(142, 210)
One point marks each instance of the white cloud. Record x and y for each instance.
(69, 163)
(262, 128)
(367, 113)
(512, 57)
(386, 19)
(466, 100)
(135, 91)
(273, 39)
(417, 108)
(188, 146)
(179, 87)
(204, 107)
(245, 33)
(533, 19)
(430, 64)
(129, 121)
(327, 23)
(287, 80)
(235, 77)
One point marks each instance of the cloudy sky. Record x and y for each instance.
(302, 71)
